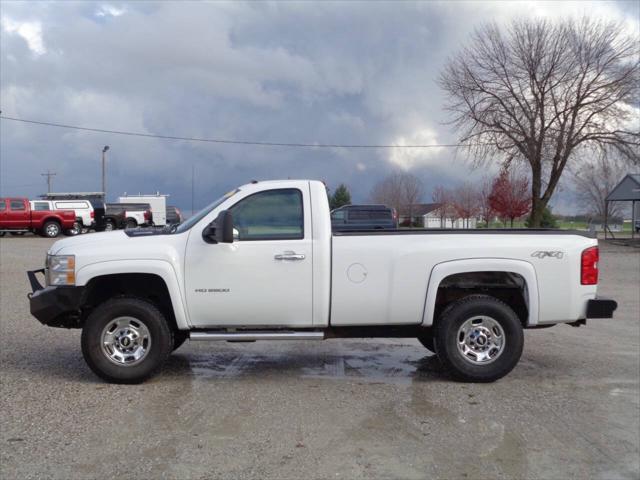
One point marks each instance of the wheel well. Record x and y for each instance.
(142, 285)
(50, 219)
(509, 287)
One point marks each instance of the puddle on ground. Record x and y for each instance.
(390, 364)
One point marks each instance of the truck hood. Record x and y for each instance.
(72, 243)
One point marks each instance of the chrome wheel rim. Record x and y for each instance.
(480, 340)
(52, 230)
(125, 341)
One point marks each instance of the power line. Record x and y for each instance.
(217, 140)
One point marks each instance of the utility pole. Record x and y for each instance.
(49, 174)
(104, 179)
(193, 174)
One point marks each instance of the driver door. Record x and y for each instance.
(263, 278)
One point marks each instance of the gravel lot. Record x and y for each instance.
(335, 409)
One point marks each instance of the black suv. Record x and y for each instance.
(364, 217)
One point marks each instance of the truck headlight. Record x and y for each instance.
(61, 270)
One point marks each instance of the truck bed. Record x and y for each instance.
(465, 231)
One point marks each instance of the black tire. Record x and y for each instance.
(72, 232)
(427, 340)
(179, 337)
(109, 225)
(51, 229)
(160, 340)
(462, 366)
(131, 223)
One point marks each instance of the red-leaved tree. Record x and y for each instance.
(510, 197)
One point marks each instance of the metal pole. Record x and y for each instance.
(104, 186)
(193, 170)
(48, 175)
(606, 216)
(633, 220)
(104, 176)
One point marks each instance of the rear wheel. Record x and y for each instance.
(109, 225)
(51, 229)
(131, 223)
(479, 338)
(75, 230)
(126, 340)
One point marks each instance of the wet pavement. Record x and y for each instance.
(332, 409)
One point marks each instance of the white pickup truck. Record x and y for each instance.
(262, 263)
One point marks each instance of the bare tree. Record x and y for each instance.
(439, 196)
(444, 198)
(594, 180)
(466, 202)
(486, 210)
(401, 191)
(543, 93)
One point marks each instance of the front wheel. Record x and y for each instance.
(126, 340)
(479, 338)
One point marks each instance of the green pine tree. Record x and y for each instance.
(340, 197)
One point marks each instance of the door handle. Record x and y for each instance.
(289, 256)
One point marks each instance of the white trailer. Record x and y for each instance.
(158, 204)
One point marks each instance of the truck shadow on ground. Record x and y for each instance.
(381, 366)
(362, 362)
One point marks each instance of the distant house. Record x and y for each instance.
(427, 215)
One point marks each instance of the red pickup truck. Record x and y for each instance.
(16, 216)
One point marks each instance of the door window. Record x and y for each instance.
(3, 205)
(270, 215)
(17, 205)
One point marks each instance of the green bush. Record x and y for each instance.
(548, 220)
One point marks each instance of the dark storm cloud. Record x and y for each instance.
(340, 73)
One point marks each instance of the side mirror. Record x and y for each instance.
(220, 230)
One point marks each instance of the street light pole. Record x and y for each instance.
(104, 179)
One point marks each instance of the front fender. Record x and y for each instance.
(445, 269)
(161, 268)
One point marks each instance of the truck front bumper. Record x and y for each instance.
(601, 307)
(55, 306)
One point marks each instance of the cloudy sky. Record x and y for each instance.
(303, 72)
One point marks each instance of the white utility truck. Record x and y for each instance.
(158, 204)
(262, 263)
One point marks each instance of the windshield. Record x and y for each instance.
(191, 221)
